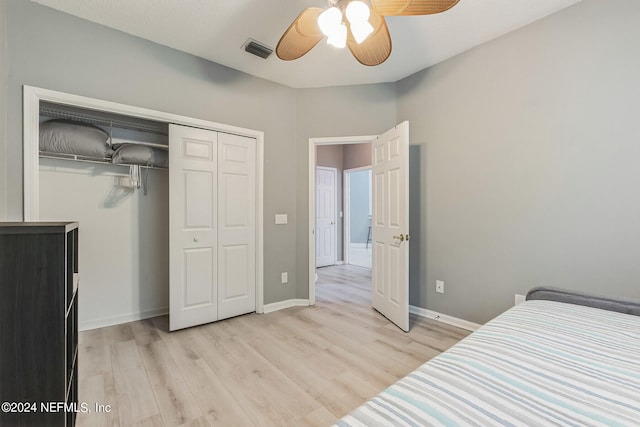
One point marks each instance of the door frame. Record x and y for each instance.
(31, 130)
(346, 193)
(335, 209)
(313, 143)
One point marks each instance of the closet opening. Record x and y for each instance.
(109, 172)
(114, 180)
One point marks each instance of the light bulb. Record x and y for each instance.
(329, 21)
(361, 31)
(357, 12)
(339, 37)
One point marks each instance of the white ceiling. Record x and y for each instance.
(217, 29)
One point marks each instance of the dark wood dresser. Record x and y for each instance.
(38, 323)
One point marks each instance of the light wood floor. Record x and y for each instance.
(299, 366)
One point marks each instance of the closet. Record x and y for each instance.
(172, 225)
(122, 208)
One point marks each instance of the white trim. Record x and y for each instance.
(281, 305)
(260, 224)
(31, 130)
(31, 192)
(340, 263)
(122, 318)
(313, 142)
(450, 320)
(346, 209)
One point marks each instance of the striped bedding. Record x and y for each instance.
(540, 363)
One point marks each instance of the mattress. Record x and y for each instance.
(540, 363)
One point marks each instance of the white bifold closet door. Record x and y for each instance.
(212, 222)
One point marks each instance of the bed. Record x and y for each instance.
(559, 358)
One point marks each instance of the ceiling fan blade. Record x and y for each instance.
(376, 48)
(411, 7)
(301, 36)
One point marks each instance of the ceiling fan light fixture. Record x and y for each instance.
(357, 12)
(330, 21)
(369, 43)
(361, 30)
(339, 37)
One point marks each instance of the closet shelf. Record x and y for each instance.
(99, 118)
(75, 157)
(116, 141)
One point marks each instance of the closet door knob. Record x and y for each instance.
(196, 239)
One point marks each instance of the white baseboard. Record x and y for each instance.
(339, 262)
(268, 308)
(123, 318)
(450, 320)
(281, 305)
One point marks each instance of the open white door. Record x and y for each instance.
(193, 298)
(325, 216)
(390, 225)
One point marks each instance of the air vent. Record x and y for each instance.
(257, 49)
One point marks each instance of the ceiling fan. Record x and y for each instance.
(352, 23)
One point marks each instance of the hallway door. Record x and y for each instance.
(325, 216)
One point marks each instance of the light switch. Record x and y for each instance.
(281, 219)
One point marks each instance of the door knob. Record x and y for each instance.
(196, 239)
(402, 237)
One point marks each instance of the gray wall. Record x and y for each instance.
(332, 156)
(523, 158)
(357, 155)
(526, 163)
(56, 51)
(338, 111)
(3, 108)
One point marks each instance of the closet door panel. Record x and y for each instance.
(236, 209)
(198, 275)
(233, 261)
(193, 223)
(236, 225)
(198, 208)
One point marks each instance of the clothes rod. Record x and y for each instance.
(76, 158)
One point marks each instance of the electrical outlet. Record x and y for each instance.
(440, 286)
(285, 277)
(519, 298)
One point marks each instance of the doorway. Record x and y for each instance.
(330, 153)
(357, 217)
(390, 220)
